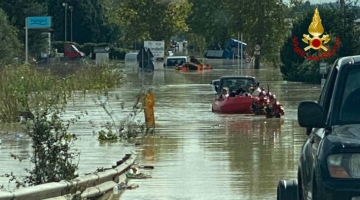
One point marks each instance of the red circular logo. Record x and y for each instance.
(316, 43)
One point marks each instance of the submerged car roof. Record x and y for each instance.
(176, 57)
(244, 77)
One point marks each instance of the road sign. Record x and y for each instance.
(142, 55)
(149, 53)
(247, 59)
(157, 48)
(257, 47)
(38, 22)
(323, 67)
(101, 49)
(257, 53)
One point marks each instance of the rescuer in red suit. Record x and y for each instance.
(274, 108)
(259, 106)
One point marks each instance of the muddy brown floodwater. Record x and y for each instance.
(196, 154)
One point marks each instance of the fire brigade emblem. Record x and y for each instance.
(316, 30)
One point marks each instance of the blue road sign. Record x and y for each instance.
(38, 22)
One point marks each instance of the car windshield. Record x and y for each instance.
(175, 61)
(74, 47)
(235, 83)
(350, 101)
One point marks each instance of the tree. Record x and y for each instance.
(18, 10)
(88, 17)
(151, 19)
(261, 22)
(9, 43)
(209, 19)
(298, 9)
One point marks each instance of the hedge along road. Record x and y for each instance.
(196, 154)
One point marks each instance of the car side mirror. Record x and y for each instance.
(311, 115)
(308, 131)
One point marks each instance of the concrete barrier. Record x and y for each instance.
(93, 184)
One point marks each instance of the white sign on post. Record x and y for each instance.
(323, 67)
(157, 48)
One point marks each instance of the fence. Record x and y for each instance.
(87, 186)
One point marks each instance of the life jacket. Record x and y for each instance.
(277, 108)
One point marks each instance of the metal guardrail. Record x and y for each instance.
(96, 184)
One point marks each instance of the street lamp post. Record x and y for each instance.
(66, 6)
(71, 22)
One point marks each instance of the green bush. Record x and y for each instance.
(10, 45)
(24, 88)
(118, 53)
(87, 48)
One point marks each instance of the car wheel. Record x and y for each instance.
(287, 190)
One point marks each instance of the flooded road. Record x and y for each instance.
(196, 154)
(202, 155)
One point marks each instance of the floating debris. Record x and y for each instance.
(134, 173)
(146, 167)
(138, 176)
(124, 186)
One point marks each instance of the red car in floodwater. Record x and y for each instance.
(233, 104)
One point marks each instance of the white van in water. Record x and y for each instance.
(131, 59)
(173, 61)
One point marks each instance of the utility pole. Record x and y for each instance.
(71, 22)
(242, 61)
(238, 52)
(259, 36)
(65, 6)
(342, 9)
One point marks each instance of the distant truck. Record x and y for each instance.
(71, 52)
(230, 51)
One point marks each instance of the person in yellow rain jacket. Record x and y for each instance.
(149, 109)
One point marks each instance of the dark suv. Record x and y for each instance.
(329, 166)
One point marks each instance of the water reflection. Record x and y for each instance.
(220, 156)
(149, 149)
(259, 155)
